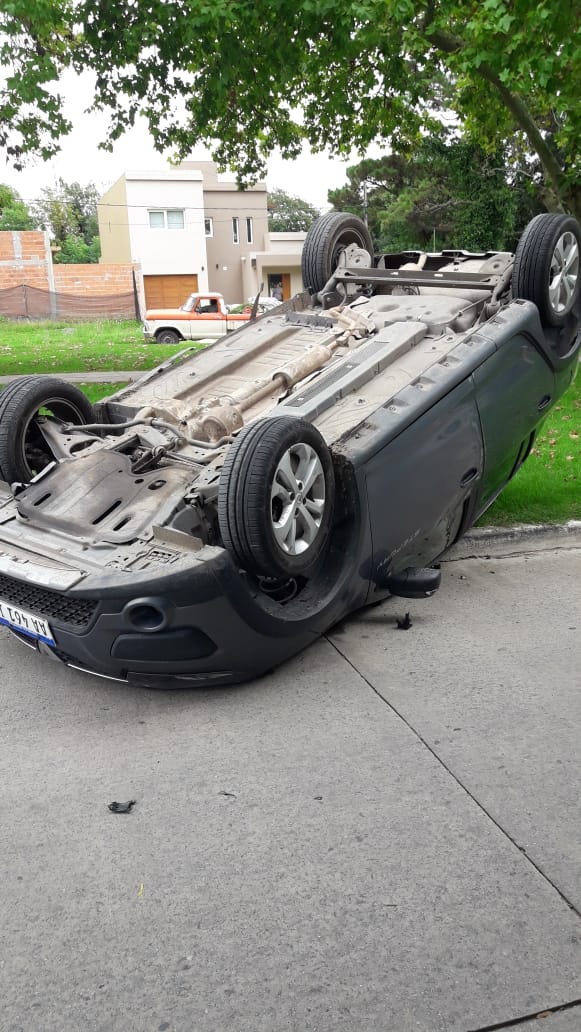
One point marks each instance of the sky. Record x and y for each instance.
(80, 160)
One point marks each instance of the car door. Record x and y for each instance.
(513, 388)
(420, 483)
(207, 320)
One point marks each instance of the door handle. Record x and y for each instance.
(469, 476)
(545, 400)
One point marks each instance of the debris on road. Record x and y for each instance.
(116, 807)
(404, 623)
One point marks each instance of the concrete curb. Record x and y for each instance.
(515, 540)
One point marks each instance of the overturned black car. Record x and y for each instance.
(213, 518)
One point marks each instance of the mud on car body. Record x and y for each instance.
(213, 518)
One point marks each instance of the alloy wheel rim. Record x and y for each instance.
(564, 273)
(297, 499)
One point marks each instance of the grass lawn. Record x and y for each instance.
(69, 347)
(548, 487)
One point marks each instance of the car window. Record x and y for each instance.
(206, 306)
(189, 304)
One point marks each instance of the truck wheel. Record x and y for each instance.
(325, 241)
(23, 405)
(276, 497)
(546, 266)
(168, 337)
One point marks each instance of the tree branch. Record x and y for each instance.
(452, 45)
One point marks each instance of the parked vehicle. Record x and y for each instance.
(210, 520)
(201, 317)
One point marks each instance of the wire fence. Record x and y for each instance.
(25, 302)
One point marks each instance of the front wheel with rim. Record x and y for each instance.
(167, 337)
(546, 267)
(25, 407)
(276, 497)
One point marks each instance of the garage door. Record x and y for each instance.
(168, 291)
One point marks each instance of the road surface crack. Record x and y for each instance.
(465, 789)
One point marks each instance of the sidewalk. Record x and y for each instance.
(379, 836)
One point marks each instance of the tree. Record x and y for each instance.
(69, 212)
(288, 214)
(352, 73)
(445, 194)
(14, 215)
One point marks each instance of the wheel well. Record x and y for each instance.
(166, 329)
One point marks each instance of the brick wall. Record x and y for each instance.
(26, 267)
(93, 280)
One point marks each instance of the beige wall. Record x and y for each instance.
(227, 261)
(113, 216)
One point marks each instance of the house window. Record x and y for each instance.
(236, 230)
(175, 218)
(249, 236)
(209, 227)
(157, 219)
(169, 218)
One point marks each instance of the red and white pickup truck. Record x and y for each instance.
(201, 317)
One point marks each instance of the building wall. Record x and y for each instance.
(280, 259)
(224, 201)
(31, 286)
(168, 251)
(113, 219)
(25, 258)
(126, 233)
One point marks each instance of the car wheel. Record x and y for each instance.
(325, 241)
(23, 450)
(168, 337)
(546, 266)
(276, 497)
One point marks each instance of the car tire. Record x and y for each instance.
(325, 241)
(546, 267)
(276, 497)
(168, 337)
(23, 451)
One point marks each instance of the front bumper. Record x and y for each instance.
(204, 625)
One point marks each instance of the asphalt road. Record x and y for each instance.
(381, 836)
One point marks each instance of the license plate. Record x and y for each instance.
(25, 622)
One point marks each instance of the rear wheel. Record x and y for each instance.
(25, 406)
(326, 240)
(276, 497)
(546, 267)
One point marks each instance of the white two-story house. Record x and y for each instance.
(157, 219)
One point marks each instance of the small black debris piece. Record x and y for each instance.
(230, 795)
(318, 798)
(404, 623)
(116, 807)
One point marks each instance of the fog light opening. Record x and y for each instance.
(147, 618)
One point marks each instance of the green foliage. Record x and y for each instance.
(441, 195)
(14, 215)
(68, 210)
(266, 75)
(74, 251)
(288, 214)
